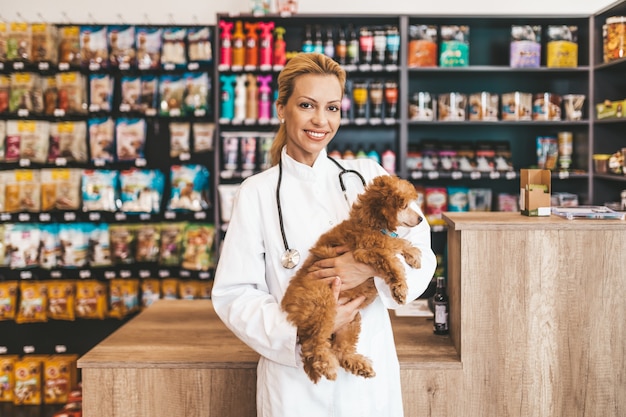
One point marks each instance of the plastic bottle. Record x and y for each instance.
(265, 94)
(388, 161)
(280, 47)
(393, 45)
(366, 46)
(341, 47)
(373, 154)
(318, 42)
(252, 99)
(228, 96)
(226, 43)
(329, 43)
(353, 46)
(307, 43)
(266, 45)
(252, 45)
(361, 154)
(240, 98)
(239, 50)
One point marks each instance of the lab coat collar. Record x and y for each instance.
(303, 171)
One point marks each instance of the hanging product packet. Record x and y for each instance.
(44, 40)
(189, 188)
(123, 297)
(73, 244)
(19, 42)
(171, 93)
(99, 190)
(100, 92)
(26, 95)
(72, 93)
(180, 140)
(171, 243)
(174, 52)
(150, 291)
(130, 91)
(68, 142)
(61, 300)
(94, 51)
(130, 139)
(49, 246)
(203, 134)
(121, 46)
(123, 237)
(147, 244)
(8, 300)
(5, 88)
(33, 304)
(169, 288)
(22, 191)
(50, 94)
(99, 249)
(23, 240)
(196, 94)
(101, 140)
(60, 189)
(149, 91)
(199, 46)
(148, 44)
(91, 299)
(69, 45)
(141, 190)
(198, 247)
(4, 39)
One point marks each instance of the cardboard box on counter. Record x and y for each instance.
(535, 192)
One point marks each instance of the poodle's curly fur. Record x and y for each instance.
(368, 233)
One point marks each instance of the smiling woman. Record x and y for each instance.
(302, 196)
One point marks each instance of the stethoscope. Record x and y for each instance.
(291, 257)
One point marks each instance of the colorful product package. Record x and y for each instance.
(199, 44)
(171, 243)
(73, 244)
(130, 139)
(480, 199)
(458, 199)
(60, 188)
(189, 188)
(422, 46)
(72, 92)
(525, 48)
(169, 288)
(49, 246)
(8, 303)
(121, 46)
(19, 41)
(94, 50)
(562, 46)
(33, 304)
(61, 300)
(44, 39)
(436, 202)
(148, 43)
(28, 380)
(60, 376)
(141, 190)
(173, 49)
(150, 291)
(123, 297)
(69, 45)
(91, 299)
(100, 92)
(68, 142)
(99, 190)
(147, 244)
(180, 145)
(22, 191)
(26, 94)
(24, 240)
(455, 45)
(99, 249)
(198, 242)
(123, 238)
(101, 140)
(7, 377)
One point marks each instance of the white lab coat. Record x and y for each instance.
(250, 283)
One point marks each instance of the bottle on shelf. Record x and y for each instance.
(341, 47)
(238, 46)
(388, 161)
(318, 42)
(329, 43)
(353, 46)
(280, 47)
(373, 154)
(307, 42)
(440, 301)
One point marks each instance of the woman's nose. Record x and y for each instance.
(319, 117)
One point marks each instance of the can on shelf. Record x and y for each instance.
(614, 38)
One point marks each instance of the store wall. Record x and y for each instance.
(204, 11)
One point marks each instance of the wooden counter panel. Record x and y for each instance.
(542, 319)
(509, 220)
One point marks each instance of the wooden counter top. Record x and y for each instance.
(188, 334)
(509, 221)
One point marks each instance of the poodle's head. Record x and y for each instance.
(387, 203)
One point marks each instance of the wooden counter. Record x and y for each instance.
(538, 328)
(177, 358)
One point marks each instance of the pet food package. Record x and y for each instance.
(19, 47)
(100, 92)
(199, 44)
(28, 380)
(99, 249)
(189, 290)
(5, 86)
(169, 288)
(203, 134)
(24, 240)
(99, 190)
(516, 105)
(122, 240)
(484, 106)
(422, 46)
(22, 191)
(49, 246)
(562, 46)
(480, 199)
(91, 299)
(148, 44)
(60, 188)
(458, 198)
(61, 300)
(452, 106)
(546, 106)
(123, 297)
(26, 93)
(8, 302)
(525, 49)
(7, 377)
(189, 188)
(27, 140)
(198, 242)
(121, 46)
(68, 142)
(150, 291)
(171, 243)
(72, 92)
(173, 53)
(74, 245)
(44, 41)
(101, 140)
(94, 50)
(69, 45)
(614, 38)
(33, 304)
(436, 202)
(147, 245)
(196, 94)
(60, 376)
(130, 139)
(180, 136)
(455, 45)
(141, 190)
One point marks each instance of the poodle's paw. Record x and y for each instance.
(359, 365)
(413, 257)
(399, 291)
(319, 366)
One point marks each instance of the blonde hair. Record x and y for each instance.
(301, 64)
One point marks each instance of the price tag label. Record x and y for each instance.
(184, 273)
(109, 274)
(55, 274)
(200, 215)
(69, 216)
(417, 175)
(494, 175)
(204, 275)
(120, 216)
(169, 215)
(23, 217)
(60, 348)
(510, 175)
(433, 175)
(456, 175)
(26, 274)
(94, 216)
(18, 66)
(144, 216)
(192, 66)
(44, 217)
(164, 273)
(475, 175)
(144, 273)
(44, 66)
(125, 273)
(563, 175)
(84, 273)
(29, 349)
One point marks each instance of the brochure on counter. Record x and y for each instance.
(588, 212)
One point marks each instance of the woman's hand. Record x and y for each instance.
(344, 266)
(346, 309)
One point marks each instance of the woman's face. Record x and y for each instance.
(312, 115)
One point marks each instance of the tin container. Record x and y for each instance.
(422, 107)
(566, 148)
(516, 106)
(525, 49)
(454, 47)
(422, 46)
(484, 106)
(547, 106)
(451, 106)
(614, 38)
(562, 46)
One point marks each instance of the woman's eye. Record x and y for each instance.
(306, 105)
(333, 108)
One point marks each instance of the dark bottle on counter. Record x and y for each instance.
(440, 301)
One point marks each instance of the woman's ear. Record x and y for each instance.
(279, 111)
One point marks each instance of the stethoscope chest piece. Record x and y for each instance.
(290, 258)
